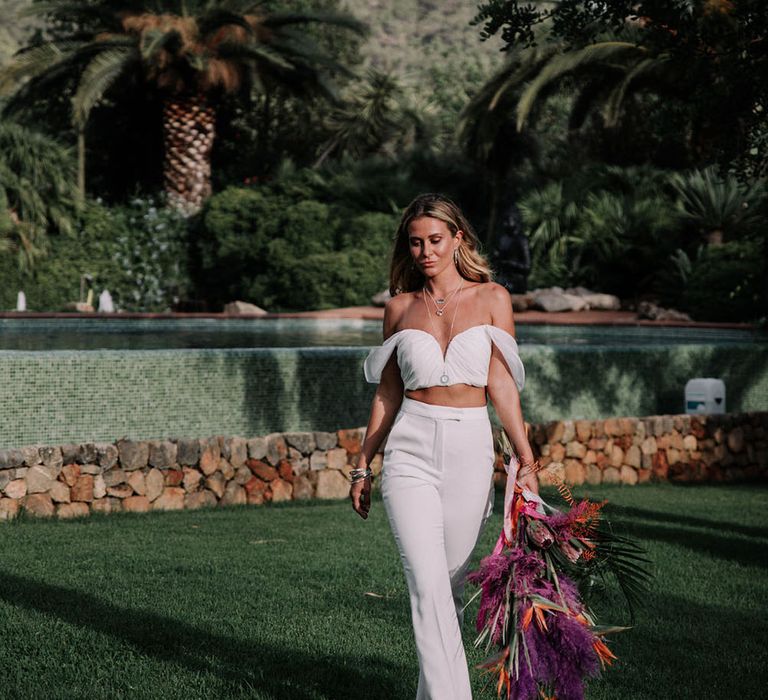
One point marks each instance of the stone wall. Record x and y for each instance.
(75, 480)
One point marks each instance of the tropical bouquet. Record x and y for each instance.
(536, 588)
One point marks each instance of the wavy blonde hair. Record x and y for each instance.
(404, 276)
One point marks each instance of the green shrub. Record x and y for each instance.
(728, 283)
(138, 252)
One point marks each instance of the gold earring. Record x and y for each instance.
(456, 256)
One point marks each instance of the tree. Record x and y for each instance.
(37, 194)
(708, 54)
(189, 52)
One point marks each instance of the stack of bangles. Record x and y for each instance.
(356, 475)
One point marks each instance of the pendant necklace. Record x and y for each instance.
(444, 377)
(441, 303)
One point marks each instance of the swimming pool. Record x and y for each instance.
(92, 379)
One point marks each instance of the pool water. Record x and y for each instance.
(170, 334)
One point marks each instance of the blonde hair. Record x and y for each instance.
(404, 276)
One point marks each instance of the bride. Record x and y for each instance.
(448, 346)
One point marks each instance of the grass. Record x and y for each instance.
(270, 602)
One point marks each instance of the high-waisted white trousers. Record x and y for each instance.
(437, 489)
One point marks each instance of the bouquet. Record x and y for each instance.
(535, 587)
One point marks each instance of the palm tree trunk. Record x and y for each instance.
(189, 125)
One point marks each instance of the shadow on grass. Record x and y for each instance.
(281, 672)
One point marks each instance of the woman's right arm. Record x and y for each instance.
(384, 407)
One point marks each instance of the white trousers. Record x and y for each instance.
(437, 490)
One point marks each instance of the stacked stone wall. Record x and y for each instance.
(140, 476)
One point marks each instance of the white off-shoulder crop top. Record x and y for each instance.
(466, 359)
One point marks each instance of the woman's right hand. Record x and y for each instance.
(360, 493)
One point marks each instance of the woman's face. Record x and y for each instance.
(431, 244)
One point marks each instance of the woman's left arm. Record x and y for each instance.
(502, 389)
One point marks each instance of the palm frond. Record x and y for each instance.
(99, 75)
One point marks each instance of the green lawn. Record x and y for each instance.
(269, 602)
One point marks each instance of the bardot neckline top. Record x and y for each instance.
(466, 361)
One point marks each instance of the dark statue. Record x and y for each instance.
(512, 255)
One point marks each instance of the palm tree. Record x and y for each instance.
(37, 193)
(189, 51)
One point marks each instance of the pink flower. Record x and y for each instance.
(570, 551)
(539, 534)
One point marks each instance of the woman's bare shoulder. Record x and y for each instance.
(394, 310)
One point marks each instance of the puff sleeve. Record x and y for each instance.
(508, 347)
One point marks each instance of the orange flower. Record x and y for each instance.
(527, 615)
(603, 652)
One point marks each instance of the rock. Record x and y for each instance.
(52, 457)
(596, 300)
(133, 455)
(302, 488)
(555, 431)
(106, 455)
(92, 469)
(555, 299)
(39, 505)
(673, 456)
(174, 477)
(262, 470)
(172, 498)
(646, 309)
(376, 464)
(59, 492)
(16, 488)
(690, 443)
(243, 308)
(83, 489)
(594, 475)
(285, 471)
(611, 475)
(575, 473)
(31, 455)
(234, 494)
(649, 446)
(521, 302)
(576, 450)
(162, 454)
(114, 477)
(336, 458)
(331, 484)
(39, 479)
(326, 441)
(257, 448)
(101, 505)
(227, 470)
(616, 457)
(590, 457)
(303, 442)
(660, 466)
(242, 476)
(10, 459)
(200, 499)
(153, 484)
(277, 448)
(209, 456)
(70, 453)
(137, 482)
(216, 483)
(9, 508)
(569, 432)
(318, 460)
(238, 452)
(72, 510)
(5, 477)
(633, 457)
(255, 489)
(99, 487)
(187, 452)
(191, 480)
(736, 440)
(380, 299)
(351, 440)
(628, 475)
(282, 490)
(136, 504)
(557, 452)
(121, 491)
(583, 430)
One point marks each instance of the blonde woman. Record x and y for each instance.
(448, 346)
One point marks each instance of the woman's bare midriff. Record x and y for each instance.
(456, 395)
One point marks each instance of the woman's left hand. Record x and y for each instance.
(531, 482)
